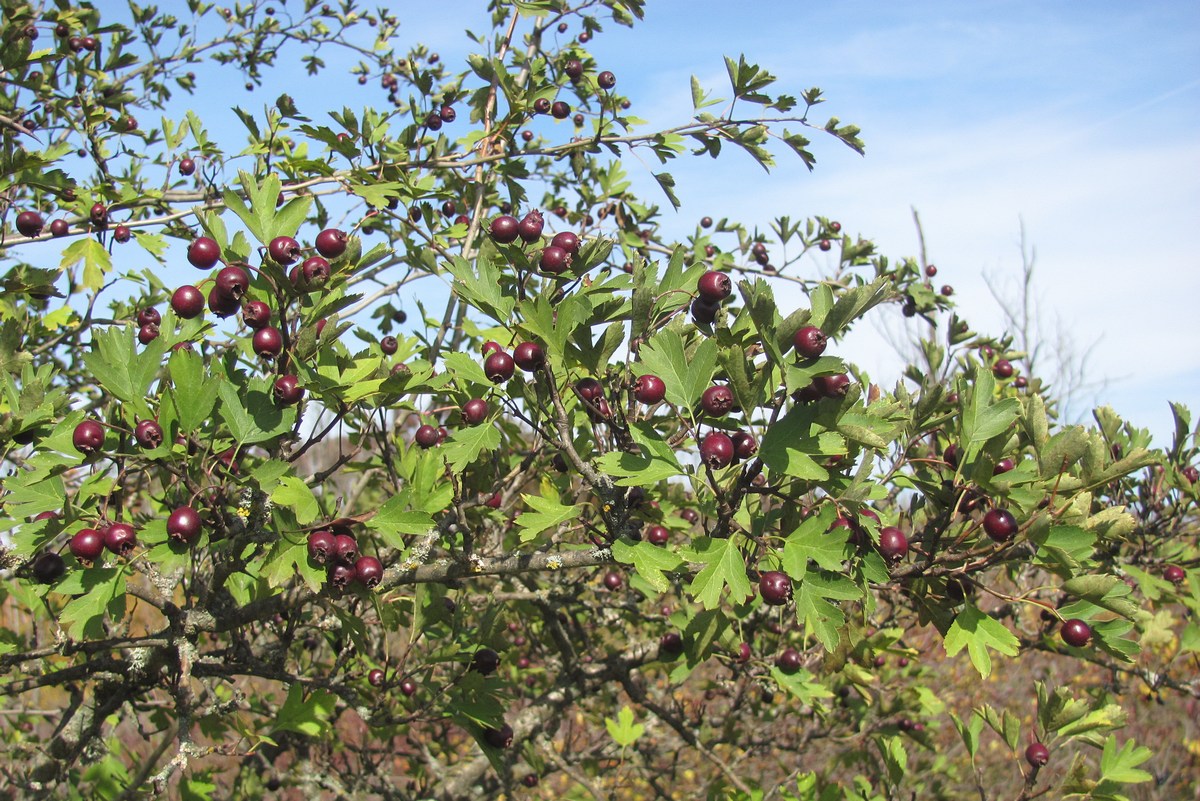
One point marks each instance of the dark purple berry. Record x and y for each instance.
(714, 286)
(775, 587)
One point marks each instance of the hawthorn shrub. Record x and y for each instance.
(612, 522)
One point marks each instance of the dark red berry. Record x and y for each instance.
(447, 113)
(485, 661)
(825, 245)
(426, 436)
(147, 334)
(1076, 633)
(649, 389)
(1000, 525)
(1002, 368)
(498, 367)
(221, 304)
(555, 260)
(589, 389)
(340, 575)
(1174, 574)
(256, 314)
(345, 548)
(331, 243)
(121, 233)
(187, 302)
(284, 250)
(716, 450)
(187, 166)
(657, 535)
(606, 80)
(287, 390)
(789, 661)
(408, 687)
(98, 214)
(1002, 466)
(148, 433)
(232, 282)
(530, 227)
(744, 444)
(203, 253)
(87, 544)
(714, 286)
(613, 580)
(670, 644)
(322, 547)
(809, 342)
(120, 538)
(529, 356)
(560, 110)
(389, 345)
(499, 738)
(947, 290)
(833, 386)
(717, 401)
(375, 678)
(88, 437)
(931, 271)
(690, 515)
(184, 525)
(315, 272)
(268, 342)
(59, 228)
(504, 229)
(893, 543)
(475, 411)
(1190, 474)
(704, 312)
(368, 571)
(490, 347)
(29, 223)
(566, 240)
(48, 567)
(149, 316)
(1037, 755)
(775, 587)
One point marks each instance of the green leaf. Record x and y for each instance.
(978, 632)
(623, 730)
(813, 540)
(686, 375)
(120, 369)
(724, 566)
(802, 684)
(293, 493)
(820, 616)
(97, 263)
(256, 418)
(308, 716)
(466, 443)
(1120, 765)
(193, 395)
(103, 591)
(548, 514)
(650, 561)
(394, 519)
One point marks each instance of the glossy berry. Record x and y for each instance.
(494, 501)
(426, 436)
(529, 356)
(1191, 474)
(148, 433)
(98, 214)
(613, 580)
(287, 390)
(714, 286)
(345, 548)
(1174, 574)
(947, 290)
(475, 411)
(931, 271)
(744, 444)
(703, 312)
(1000, 525)
(389, 345)
(284, 250)
(1002, 368)
(789, 661)
(606, 80)
(88, 437)
(48, 567)
(560, 110)
(59, 228)
(717, 401)
(268, 342)
(203, 253)
(375, 678)
(232, 282)
(809, 342)
(315, 272)
(498, 367)
(490, 347)
(368, 571)
(690, 515)
(322, 546)
(187, 302)
(670, 644)
(184, 525)
(1002, 466)
(716, 450)
(649, 389)
(29, 223)
(951, 455)
(893, 543)
(589, 389)
(775, 587)
(1037, 755)
(574, 69)
(121, 233)
(1076, 633)
(499, 738)
(147, 334)
(120, 538)
(87, 545)
(530, 227)
(554, 260)
(530, 780)
(833, 386)
(256, 314)
(340, 576)
(504, 229)
(221, 304)
(408, 687)
(485, 661)
(149, 316)
(566, 240)
(187, 166)
(331, 243)
(657, 535)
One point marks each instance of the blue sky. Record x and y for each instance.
(1079, 119)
